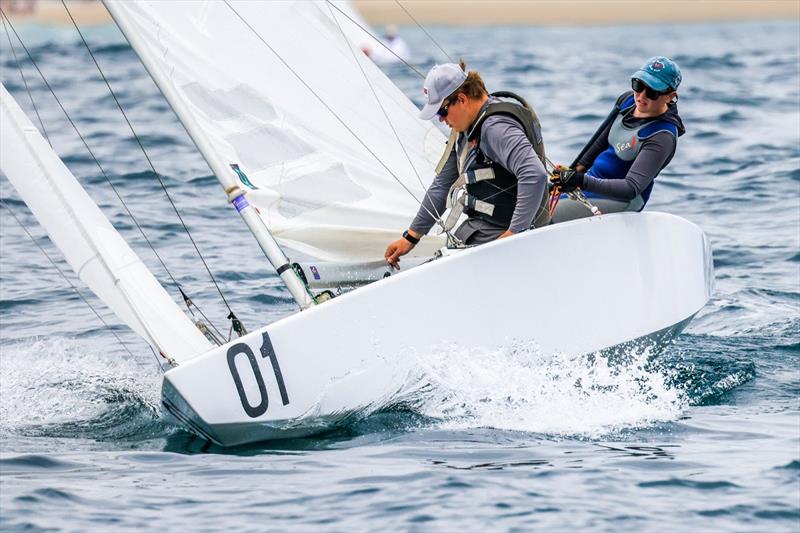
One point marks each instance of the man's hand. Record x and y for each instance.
(506, 233)
(399, 247)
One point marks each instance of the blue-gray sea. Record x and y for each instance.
(705, 438)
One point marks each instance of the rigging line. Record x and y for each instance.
(322, 101)
(72, 285)
(406, 63)
(152, 351)
(202, 314)
(91, 153)
(22, 74)
(424, 30)
(383, 110)
(152, 167)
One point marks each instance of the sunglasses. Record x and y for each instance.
(638, 86)
(442, 112)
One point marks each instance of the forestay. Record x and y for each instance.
(278, 90)
(90, 244)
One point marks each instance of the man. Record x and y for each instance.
(493, 163)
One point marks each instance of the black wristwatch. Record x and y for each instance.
(410, 238)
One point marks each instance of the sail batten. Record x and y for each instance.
(277, 90)
(90, 244)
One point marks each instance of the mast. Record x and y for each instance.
(223, 171)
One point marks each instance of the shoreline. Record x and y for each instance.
(573, 12)
(482, 13)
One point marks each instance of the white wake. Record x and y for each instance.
(519, 388)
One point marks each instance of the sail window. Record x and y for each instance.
(267, 146)
(317, 190)
(231, 104)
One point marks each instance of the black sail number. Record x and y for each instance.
(267, 352)
(261, 408)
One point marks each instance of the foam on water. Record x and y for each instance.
(63, 386)
(520, 388)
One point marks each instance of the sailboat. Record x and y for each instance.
(325, 160)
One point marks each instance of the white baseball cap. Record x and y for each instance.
(441, 82)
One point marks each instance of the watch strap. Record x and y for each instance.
(410, 238)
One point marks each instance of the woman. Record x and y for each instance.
(632, 146)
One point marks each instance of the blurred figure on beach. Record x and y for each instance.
(394, 49)
(390, 48)
(617, 169)
(14, 7)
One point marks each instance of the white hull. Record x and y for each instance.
(576, 287)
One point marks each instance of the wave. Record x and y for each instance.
(113, 49)
(704, 63)
(9, 304)
(709, 374)
(70, 389)
(519, 388)
(33, 462)
(524, 68)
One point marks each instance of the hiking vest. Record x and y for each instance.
(490, 188)
(624, 144)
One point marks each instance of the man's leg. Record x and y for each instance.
(477, 231)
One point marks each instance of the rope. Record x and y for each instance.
(555, 196)
(158, 177)
(24, 81)
(424, 30)
(336, 116)
(366, 30)
(579, 197)
(72, 285)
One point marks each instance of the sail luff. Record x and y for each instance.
(90, 244)
(221, 169)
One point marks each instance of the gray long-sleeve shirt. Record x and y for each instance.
(503, 141)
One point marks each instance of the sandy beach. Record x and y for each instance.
(482, 12)
(86, 12)
(573, 12)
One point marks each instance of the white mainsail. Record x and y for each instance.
(90, 244)
(278, 90)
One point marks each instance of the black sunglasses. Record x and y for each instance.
(638, 86)
(442, 112)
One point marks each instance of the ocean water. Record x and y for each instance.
(706, 436)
